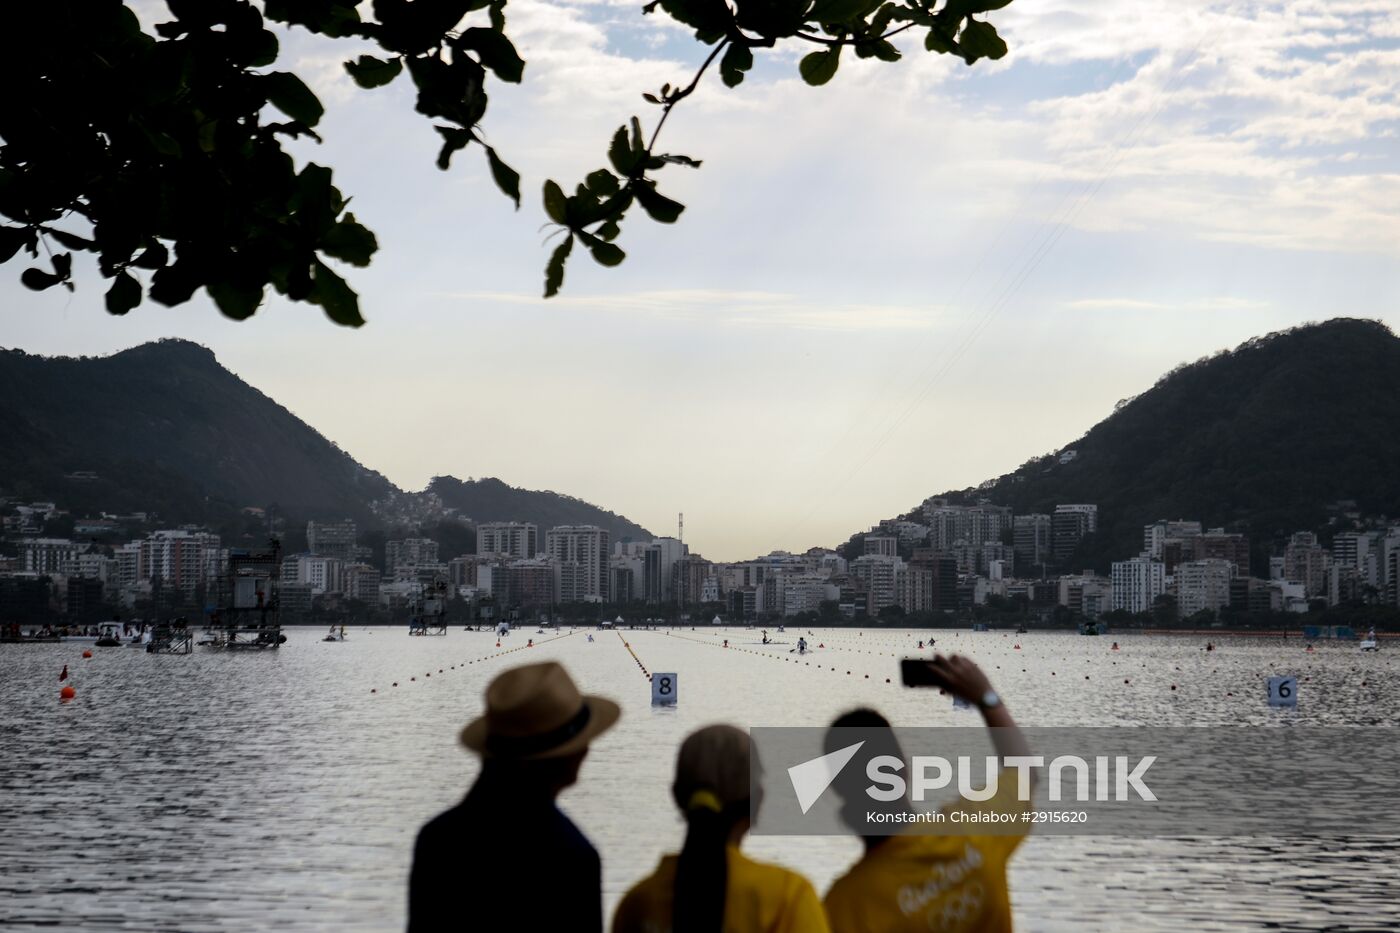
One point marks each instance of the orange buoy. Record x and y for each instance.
(88, 653)
(67, 693)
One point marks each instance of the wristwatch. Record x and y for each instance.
(990, 700)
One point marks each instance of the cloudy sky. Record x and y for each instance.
(910, 280)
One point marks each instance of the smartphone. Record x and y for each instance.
(918, 672)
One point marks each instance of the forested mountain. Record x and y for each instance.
(490, 500)
(164, 428)
(1266, 439)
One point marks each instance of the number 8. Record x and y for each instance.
(665, 686)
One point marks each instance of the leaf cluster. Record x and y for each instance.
(594, 213)
(163, 154)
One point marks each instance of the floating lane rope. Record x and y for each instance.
(626, 644)
(487, 657)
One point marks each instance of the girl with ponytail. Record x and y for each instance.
(711, 887)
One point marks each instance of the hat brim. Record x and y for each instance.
(602, 716)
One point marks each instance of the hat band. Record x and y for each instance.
(518, 746)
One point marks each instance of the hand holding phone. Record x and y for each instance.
(956, 674)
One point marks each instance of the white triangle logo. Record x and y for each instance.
(811, 778)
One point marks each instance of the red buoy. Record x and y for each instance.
(67, 693)
(87, 653)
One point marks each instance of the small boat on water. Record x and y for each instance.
(1020, 630)
(1369, 643)
(109, 635)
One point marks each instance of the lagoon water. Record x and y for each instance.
(225, 791)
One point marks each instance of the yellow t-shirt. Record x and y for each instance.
(954, 884)
(759, 898)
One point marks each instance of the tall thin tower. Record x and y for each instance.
(680, 530)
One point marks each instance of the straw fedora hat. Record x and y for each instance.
(535, 711)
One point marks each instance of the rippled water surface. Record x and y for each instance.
(250, 791)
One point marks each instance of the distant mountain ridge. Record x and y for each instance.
(165, 428)
(1264, 439)
(490, 500)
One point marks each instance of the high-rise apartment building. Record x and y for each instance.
(1137, 583)
(332, 539)
(410, 552)
(882, 545)
(1070, 525)
(588, 547)
(879, 574)
(507, 539)
(1203, 585)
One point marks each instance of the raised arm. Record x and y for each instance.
(962, 678)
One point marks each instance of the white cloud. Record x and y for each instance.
(742, 309)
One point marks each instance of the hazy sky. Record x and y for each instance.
(911, 280)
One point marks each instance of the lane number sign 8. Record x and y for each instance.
(1283, 691)
(664, 689)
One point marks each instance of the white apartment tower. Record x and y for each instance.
(508, 539)
(587, 546)
(1137, 582)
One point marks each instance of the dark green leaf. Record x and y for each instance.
(498, 15)
(710, 19)
(11, 239)
(554, 270)
(329, 290)
(495, 51)
(620, 153)
(817, 68)
(772, 18)
(349, 241)
(152, 257)
(605, 253)
(939, 40)
(453, 139)
(70, 240)
(507, 178)
(175, 284)
(62, 264)
(287, 93)
(369, 71)
(661, 208)
(608, 230)
(602, 183)
(738, 58)
(984, 6)
(38, 279)
(236, 300)
(555, 204)
(841, 11)
(980, 40)
(124, 294)
(678, 160)
(878, 48)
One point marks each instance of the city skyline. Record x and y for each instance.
(1120, 195)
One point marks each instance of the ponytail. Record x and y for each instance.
(702, 870)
